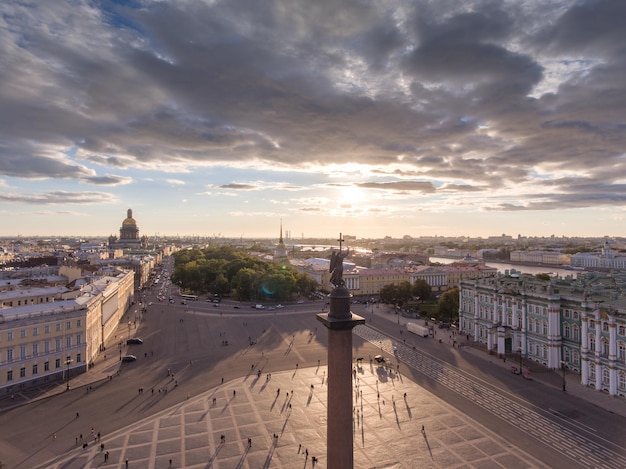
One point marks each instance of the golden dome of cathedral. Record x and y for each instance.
(129, 219)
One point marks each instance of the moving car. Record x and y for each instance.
(129, 358)
(134, 340)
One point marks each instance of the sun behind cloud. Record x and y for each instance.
(352, 195)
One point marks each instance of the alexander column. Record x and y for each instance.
(339, 321)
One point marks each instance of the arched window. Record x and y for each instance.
(575, 332)
(621, 351)
(566, 331)
(605, 376)
(566, 355)
(592, 342)
(621, 383)
(575, 358)
(592, 372)
(545, 328)
(537, 328)
(605, 346)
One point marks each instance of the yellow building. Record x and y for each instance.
(44, 341)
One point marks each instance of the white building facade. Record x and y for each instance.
(579, 324)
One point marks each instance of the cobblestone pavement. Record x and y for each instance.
(396, 425)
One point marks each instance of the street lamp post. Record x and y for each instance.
(68, 360)
(563, 367)
(521, 371)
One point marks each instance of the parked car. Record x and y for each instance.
(129, 358)
(134, 341)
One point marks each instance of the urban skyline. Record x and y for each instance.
(448, 118)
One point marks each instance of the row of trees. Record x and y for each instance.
(231, 271)
(404, 294)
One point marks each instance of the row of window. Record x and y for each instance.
(570, 331)
(606, 377)
(36, 350)
(46, 330)
(46, 367)
(9, 304)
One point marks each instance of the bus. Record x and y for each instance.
(189, 297)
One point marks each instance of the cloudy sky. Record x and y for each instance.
(371, 118)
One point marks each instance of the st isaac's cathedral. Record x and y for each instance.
(129, 235)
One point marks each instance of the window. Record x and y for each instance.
(605, 376)
(545, 328)
(78, 323)
(620, 384)
(78, 357)
(592, 342)
(46, 329)
(575, 332)
(57, 344)
(57, 363)
(605, 326)
(78, 339)
(592, 372)
(46, 346)
(68, 341)
(22, 372)
(10, 335)
(46, 366)
(605, 347)
(10, 375)
(566, 330)
(575, 358)
(35, 350)
(68, 325)
(621, 330)
(23, 333)
(57, 327)
(22, 352)
(9, 354)
(592, 324)
(575, 316)
(35, 331)
(566, 314)
(621, 351)
(35, 369)
(537, 329)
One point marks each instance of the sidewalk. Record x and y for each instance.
(616, 405)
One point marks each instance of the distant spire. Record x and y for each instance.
(281, 231)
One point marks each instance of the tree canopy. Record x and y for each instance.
(231, 271)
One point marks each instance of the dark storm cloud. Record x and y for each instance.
(470, 96)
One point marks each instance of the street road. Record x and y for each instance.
(201, 344)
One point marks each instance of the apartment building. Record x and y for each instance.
(578, 323)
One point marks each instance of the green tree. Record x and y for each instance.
(422, 289)
(221, 286)
(448, 305)
(243, 283)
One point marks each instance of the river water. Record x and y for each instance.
(527, 269)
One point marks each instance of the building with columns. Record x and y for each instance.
(574, 322)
